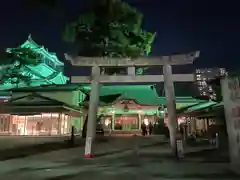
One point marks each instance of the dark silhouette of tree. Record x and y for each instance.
(109, 28)
(216, 86)
(215, 83)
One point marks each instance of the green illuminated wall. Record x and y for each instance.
(48, 71)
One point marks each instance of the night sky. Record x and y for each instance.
(181, 26)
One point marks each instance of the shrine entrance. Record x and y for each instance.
(97, 78)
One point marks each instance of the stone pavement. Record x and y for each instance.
(9, 141)
(117, 161)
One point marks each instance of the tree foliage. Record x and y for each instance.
(109, 28)
(12, 63)
(216, 94)
(216, 86)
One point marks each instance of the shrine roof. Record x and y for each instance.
(200, 107)
(143, 94)
(21, 105)
(183, 100)
(30, 43)
(48, 88)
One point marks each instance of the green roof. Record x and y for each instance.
(30, 43)
(184, 109)
(48, 88)
(183, 100)
(143, 94)
(21, 104)
(201, 106)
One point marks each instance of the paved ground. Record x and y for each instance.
(116, 160)
(11, 141)
(41, 145)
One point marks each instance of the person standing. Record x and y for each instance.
(150, 128)
(144, 129)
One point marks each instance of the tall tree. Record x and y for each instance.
(12, 64)
(216, 95)
(109, 28)
(216, 86)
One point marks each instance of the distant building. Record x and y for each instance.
(48, 71)
(203, 76)
(53, 109)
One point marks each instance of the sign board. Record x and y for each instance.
(231, 100)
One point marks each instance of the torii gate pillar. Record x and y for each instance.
(92, 111)
(171, 105)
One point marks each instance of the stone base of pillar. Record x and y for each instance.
(88, 156)
(88, 148)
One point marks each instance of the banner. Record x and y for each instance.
(231, 100)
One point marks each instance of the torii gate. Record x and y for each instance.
(104, 62)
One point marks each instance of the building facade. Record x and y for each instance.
(42, 110)
(138, 104)
(203, 76)
(49, 70)
(128, 115)
(54, 109)
(37, 124)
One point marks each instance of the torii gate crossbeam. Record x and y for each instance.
(134, 79)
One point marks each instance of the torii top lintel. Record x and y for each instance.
(179, 59)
